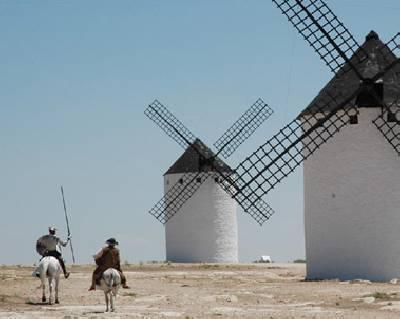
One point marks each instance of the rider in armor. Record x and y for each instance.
(53, 248)
(107, 257)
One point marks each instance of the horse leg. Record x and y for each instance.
(43, 280)
(57, 279)
(50, 290)
(112, 301)
(106, 296)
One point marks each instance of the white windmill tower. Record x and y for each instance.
(352, 184)
(205, 230)
(352, 131)
(204, 224)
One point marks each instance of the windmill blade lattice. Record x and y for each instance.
(277, 158)
(393, 46)
(177, 195)
(333, 42)
(390, 52)
(250, 201)
(189, 183)
(255, 206)
(167, 121)
(243, 128)
(388, 123)
(269, 164)
(320, 27)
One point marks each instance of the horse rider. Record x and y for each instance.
(107, 257)
(53, 248)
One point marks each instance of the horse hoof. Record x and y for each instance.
(57, 301)
(43, 299)
(50, 303)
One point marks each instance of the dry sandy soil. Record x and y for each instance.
(201, 291)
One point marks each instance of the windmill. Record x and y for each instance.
(205, 227)
(352, 182)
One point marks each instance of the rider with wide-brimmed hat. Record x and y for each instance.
(107, 257)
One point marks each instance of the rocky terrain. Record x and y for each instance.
(201, 291)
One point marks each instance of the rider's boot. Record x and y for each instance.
(66, 274)
(93, 285)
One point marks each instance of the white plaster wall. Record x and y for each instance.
(205, 228)
(352, 205)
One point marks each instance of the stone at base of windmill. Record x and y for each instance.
(360, 281)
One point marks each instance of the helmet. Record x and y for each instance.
(112, 242)
(52, 230)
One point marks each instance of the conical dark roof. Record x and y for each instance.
(192, 162)
(345, 82)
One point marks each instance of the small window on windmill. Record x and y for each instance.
(198, 179)
(167, 182)
(391, 117)
(181, 181)
(378, 88)
(370, 95)
(353, 115)
(353, 119)
(216, 179)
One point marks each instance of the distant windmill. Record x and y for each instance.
(205, 229)
(352, 183)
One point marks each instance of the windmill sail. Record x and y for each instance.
(177, 196)
(243, 128)
(334, 44)
(336, 105)
(388, 123)
(208, 161)
(260, 172)
(174, 128)
(323, 31)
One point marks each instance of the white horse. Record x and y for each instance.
(50, 268)
(110, 283)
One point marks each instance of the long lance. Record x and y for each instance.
(66, 219)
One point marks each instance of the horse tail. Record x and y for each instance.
(111, 282)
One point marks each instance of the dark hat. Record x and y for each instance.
(112, 241)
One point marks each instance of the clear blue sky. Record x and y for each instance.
(76, 76)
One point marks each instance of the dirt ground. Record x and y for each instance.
(201, 291)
